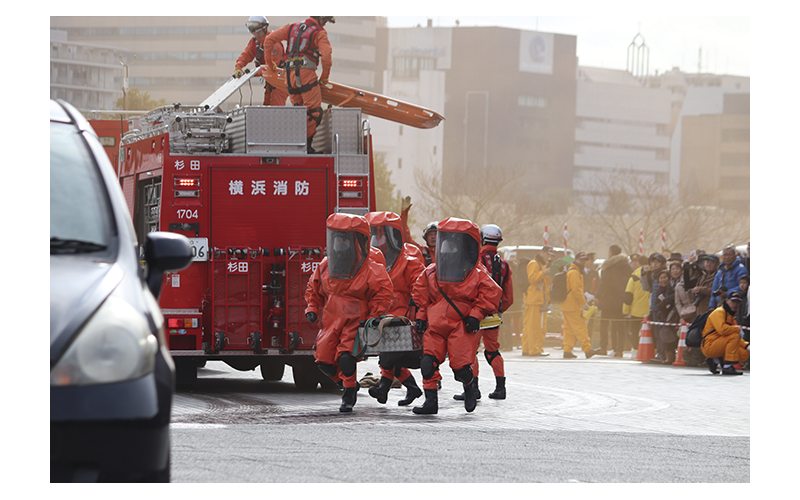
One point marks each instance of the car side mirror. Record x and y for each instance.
(164, 252)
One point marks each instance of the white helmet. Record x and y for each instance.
(491, 234)
(257, 23)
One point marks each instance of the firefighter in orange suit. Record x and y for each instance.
(453, 296)
(536, 298)
(722, 337)
(404, 264)
(307, 47)
(491, 236)
(256, 52)
(347, 287)
(572, 310)
(428, 234)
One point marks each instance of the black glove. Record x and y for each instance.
(473, 324)
(311, 317)
(422, 326)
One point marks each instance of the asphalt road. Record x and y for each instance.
(602, 420)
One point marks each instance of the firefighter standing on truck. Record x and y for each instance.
(404, 265)
(256, 52)
(348, 286)
(491, 236)
(307, 47)
(453, 296)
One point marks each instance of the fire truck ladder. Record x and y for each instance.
(371, 103)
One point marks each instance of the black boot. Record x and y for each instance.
(500, 390)
(412, 393)
(730, 370)
(470, 396)
(712, 365)
(460, 397)
(381, 393)
(348, 399)
(431, 404)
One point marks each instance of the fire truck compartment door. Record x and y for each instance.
(262, 208)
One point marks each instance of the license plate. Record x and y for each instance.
(199, 248)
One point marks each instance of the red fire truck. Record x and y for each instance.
(241, 186)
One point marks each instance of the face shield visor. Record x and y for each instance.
(456, 256)
(347, 252)
(255, 26)
(389, 241)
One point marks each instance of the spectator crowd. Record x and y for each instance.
(662, 289)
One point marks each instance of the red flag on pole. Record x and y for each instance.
(566, 234)
(641, 241)
(663, 239)
(545, 235)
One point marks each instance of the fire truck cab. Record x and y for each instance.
(253, 203)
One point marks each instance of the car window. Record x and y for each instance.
(80, 216)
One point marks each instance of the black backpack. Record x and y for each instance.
(694, 337)
(558, 288)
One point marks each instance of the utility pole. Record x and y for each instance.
(125, 86)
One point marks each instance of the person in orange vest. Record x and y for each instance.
(404, 264)
(453, 296)
(572, 308)
(428, 234)
(256, 52)
(537, 299)
(307, 47)
(491, 236)
(348, 286)
(722, 337)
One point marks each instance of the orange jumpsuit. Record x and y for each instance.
(341, 304)
(571, 311)
(490, 336)
(302, 81)
(428, 253)
(273, 96)
(476, 296)
(403, 273)
(534, 321)
(721, 337)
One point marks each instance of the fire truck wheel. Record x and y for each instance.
(185, 371)
(272, 370)
(306, 376)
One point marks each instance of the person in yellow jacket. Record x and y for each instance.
(537, 296)
(722, 337)
(636, 303)
(572, 308)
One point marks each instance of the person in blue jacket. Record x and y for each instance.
(728, 275)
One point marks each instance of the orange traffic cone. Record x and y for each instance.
(646, 350)
(681, 345)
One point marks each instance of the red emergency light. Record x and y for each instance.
(187, 182)
(350, 183)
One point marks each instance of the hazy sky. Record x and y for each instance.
(603, 40)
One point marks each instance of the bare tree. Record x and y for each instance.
(623, 203)
(487, 196)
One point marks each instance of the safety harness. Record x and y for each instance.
(300, 54)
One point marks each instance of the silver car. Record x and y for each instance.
(111, 375)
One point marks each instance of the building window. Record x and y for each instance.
(734, 159)
(529, 101)
(735, 183)
(736, 135)
(409, 67)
